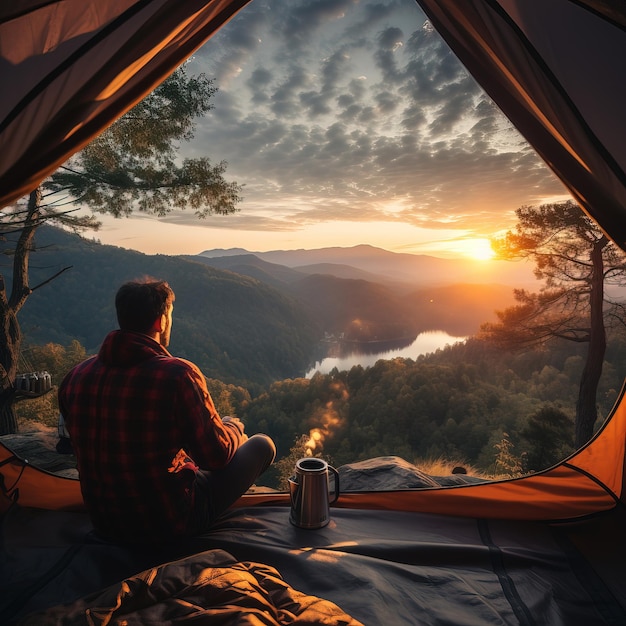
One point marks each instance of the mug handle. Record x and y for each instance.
(336, 475)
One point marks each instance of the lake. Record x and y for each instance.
(350, 356)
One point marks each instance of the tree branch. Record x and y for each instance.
(45, 282)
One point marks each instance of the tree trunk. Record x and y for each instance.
(10, 332)
(10, 341)
(586, 405)
(8, 419)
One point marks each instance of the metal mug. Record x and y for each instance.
(310, 493)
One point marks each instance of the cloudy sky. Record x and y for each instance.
(348, 122)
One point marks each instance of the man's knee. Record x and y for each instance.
(264, 446)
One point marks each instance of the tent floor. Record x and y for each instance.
(381, 567)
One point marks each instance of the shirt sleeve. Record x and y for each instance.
(210, 441)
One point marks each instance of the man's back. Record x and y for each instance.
(129, 411)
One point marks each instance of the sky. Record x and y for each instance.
(348, 122)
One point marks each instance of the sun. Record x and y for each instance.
(479, 249)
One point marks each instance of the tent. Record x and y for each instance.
(543, 549)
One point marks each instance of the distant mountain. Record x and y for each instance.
(394, 268)
(349, 301)
(357, 308)
(252, 266)
(341, 270)
(220, 252)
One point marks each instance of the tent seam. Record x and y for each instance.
(596, 480)
(518, 606)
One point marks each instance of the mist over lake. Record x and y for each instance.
(353, 355)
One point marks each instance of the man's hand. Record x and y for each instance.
(238, 423)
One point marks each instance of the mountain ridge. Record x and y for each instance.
(398, 267)
(358, 305)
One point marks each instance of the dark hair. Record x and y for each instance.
(140, 303)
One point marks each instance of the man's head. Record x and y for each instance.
(145, 306)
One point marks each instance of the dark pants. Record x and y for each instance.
(215, 491)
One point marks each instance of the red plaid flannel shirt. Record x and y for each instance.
(129, 411)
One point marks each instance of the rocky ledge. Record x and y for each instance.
(392, 472)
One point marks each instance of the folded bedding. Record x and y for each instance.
(208, 588)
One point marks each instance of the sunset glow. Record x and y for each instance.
(342, 136)
(479, 249)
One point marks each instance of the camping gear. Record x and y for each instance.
(309, 492)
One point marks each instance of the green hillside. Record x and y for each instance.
(234, 327)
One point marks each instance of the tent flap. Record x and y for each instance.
(74, 67)
(556, 70)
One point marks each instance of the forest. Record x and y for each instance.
(462, 404)
(458, 403)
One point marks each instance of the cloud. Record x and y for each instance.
(302, 20)
(338, 110)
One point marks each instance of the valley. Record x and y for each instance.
(250, 319)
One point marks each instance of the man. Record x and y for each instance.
(142, 423)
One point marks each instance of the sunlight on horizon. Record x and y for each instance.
(146, 234)
(478, 249)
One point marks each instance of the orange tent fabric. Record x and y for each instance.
(74, 67)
